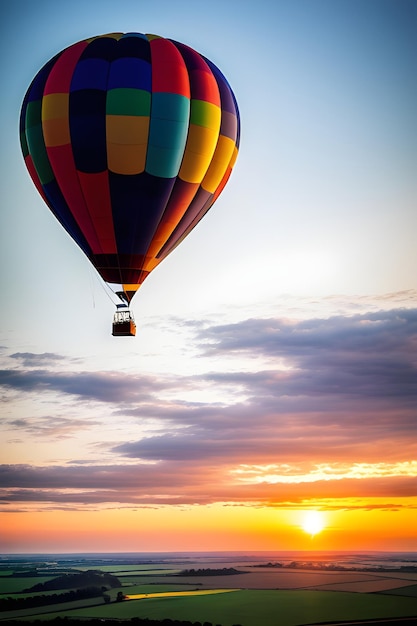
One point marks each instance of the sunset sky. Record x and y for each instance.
(274, 371)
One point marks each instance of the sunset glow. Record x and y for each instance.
(313, 522)
(354, 524)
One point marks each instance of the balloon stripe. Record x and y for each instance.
(202, 81)
(90, 74)
(229, 125)
(59, 207)
(199, 151)
(127, 101)
(49, 191)
(96, 192)
(56, 132)
(134, 73)
(88, 129)
(60, 76)
(205, 114)
(55, 123)
(226, 94)
(35, 178)
(36, 146)
(138, 203)
(69, 183)
(201, 198)
(169, 72)
(127, 142)
(221, 159)
(179, 201)
(167, 134)
(61, 156)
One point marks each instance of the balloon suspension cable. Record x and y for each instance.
(92, 286)
(111, 294)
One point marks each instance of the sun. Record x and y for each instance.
(313, 522)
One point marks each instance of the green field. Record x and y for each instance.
(16, 585)
(254, 608)
(405, 591)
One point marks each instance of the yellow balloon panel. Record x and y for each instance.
(219, 164)
(55, 106)
(201, 143)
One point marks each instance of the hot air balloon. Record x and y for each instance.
(129, 139)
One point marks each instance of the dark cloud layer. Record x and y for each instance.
(112, 387)
(31, 359)
(51, 427)
(185, 484)
(364, 355)
(376, 333)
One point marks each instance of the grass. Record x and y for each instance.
(255, 607)
(411, 591)
(43, 613)
(16, 585)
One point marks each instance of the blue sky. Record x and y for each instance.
(292, 302)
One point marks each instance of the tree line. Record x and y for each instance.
(90, 578)
(225, 571)
(14, 604)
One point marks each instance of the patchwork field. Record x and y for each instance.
(259, 578)
(246, 594)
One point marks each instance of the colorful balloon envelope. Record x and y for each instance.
(130, 139)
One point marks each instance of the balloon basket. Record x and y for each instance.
(123, 324)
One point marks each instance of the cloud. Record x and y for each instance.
(113, 387)
(51, 427)
(183, 446)
(31, 359)
(366, 356)
(338, 392)
(185, 484)
(338, 338)
(260, 434)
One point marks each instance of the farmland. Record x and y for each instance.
(249, 591)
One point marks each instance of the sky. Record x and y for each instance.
(274, 370)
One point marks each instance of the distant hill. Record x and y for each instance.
(91, 578)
